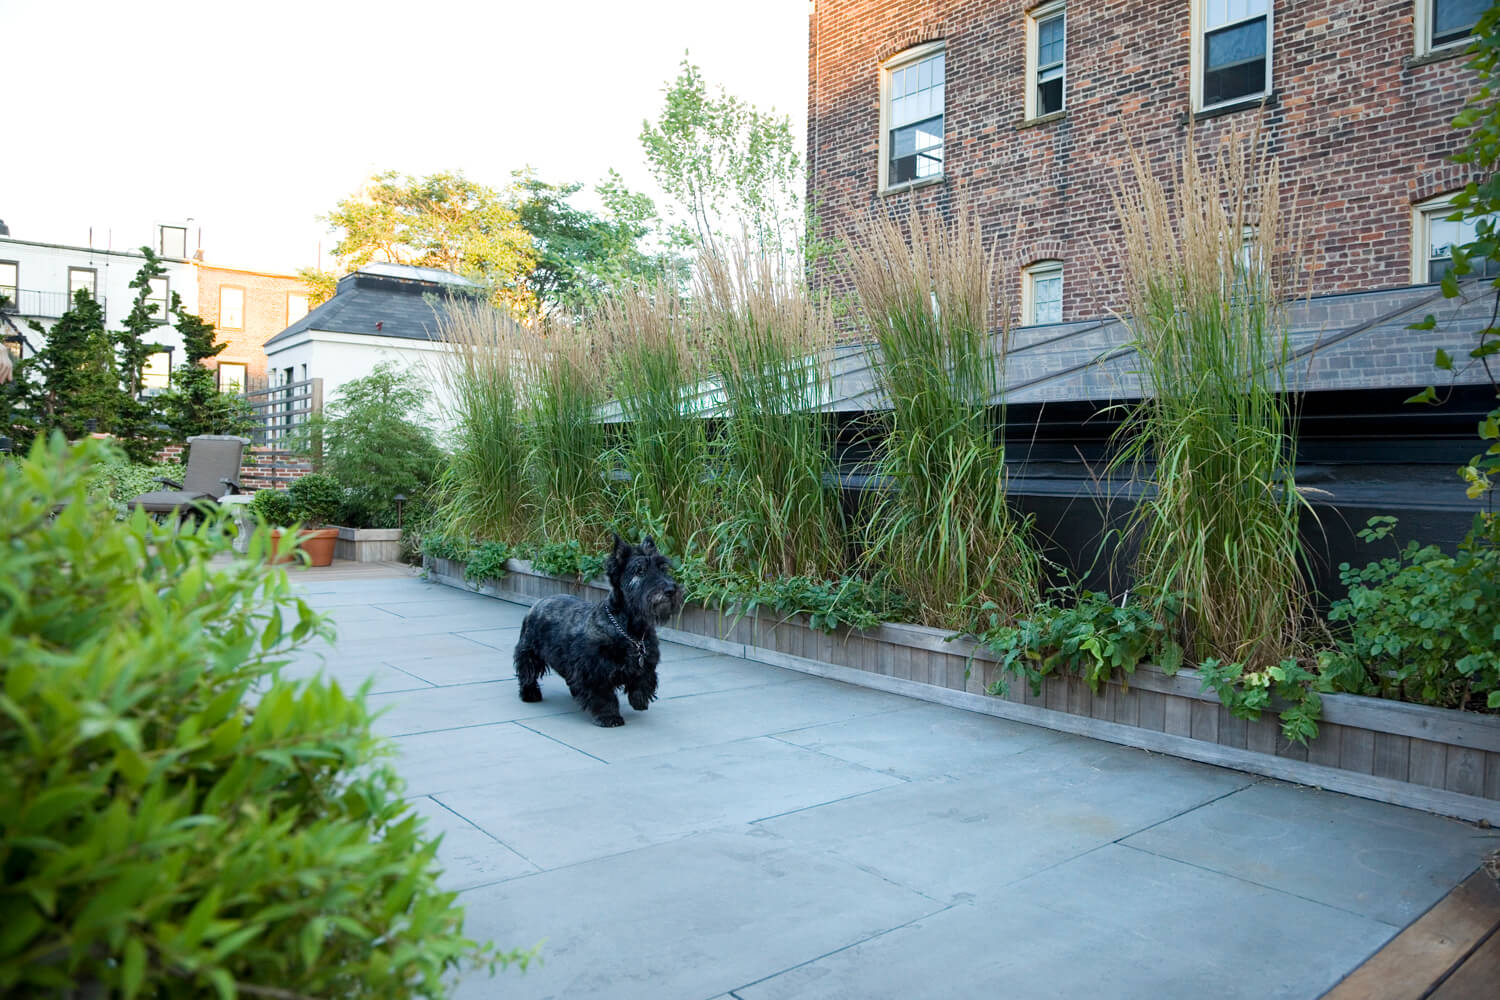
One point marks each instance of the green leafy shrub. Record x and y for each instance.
(440, 546)
(568, 559)
(118, 480)
(316, 499)
(486, 561)
(1287, 687)
(273, 507)
(377, 443)
(1091, 636)
(849, 602)
(1422, 626)
(176, 822)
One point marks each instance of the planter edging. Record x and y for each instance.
(368, 544)
(1441, 745)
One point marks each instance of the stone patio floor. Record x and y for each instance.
(762, 833)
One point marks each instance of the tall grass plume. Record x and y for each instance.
(940, 522)
(566, 437)
(484, 492)
(1208, 255)
(769, 343)
(655, 373)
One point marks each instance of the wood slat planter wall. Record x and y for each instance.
(1436, 759)
(368, 544)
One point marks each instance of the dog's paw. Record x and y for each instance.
(609, 721)
(532, 693)
(639, 701)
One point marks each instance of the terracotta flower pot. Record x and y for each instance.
(317, 543)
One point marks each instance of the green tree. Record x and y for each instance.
(578, 253)
(377, 442)
(320, 285)
(444, 221)
(137, 421)
(73, 378)
(729, 166)
(131, 343)
(194, 405)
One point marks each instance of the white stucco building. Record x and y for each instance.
(382, 312)
(40, 280)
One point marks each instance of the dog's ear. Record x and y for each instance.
(648, 546)
(615, 564)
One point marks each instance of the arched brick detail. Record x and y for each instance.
(1440, 180)
(912, 36)
(1035, 253)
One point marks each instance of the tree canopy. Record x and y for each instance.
(528, 244)
(731, 167)
(444, 221)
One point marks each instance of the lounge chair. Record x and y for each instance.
(213, 471)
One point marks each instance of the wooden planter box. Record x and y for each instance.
(369, 545)
(1440, 760)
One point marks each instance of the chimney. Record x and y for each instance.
(4, 229)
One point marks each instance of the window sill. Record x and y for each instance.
(1042, 120)
(1249, 104)
(1446, 53)
(913, 185)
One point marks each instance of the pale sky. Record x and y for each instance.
(252, 119)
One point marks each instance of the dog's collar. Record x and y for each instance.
(640, 646)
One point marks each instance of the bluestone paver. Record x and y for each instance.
(1113, 923)
(762, 833)
(1389, 864)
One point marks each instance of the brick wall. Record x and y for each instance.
(265, 313)
(1362, 130)
(263, 467)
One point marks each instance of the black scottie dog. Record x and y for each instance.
(599, 647)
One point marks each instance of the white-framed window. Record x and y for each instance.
(159, 296)
(911, 116)
(1446, 24)
(1041, 293)
(171, 241)
(1434, 236)
(1046, 63)
(296, 306)
(10, 281)
(157, 374)
(231, 308)
(231, 376)
(1231, 57)
(85, 278)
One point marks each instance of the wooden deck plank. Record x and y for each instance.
(1478, 978)
(1430, 948)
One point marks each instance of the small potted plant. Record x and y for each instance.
(316, 499)
(273, 508)
(313, 501)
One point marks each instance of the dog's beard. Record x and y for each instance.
(663, 605)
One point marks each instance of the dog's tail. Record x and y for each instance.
(529, 669)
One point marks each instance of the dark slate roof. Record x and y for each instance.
(382, 301)
(1360, 340)
(1357, 340)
